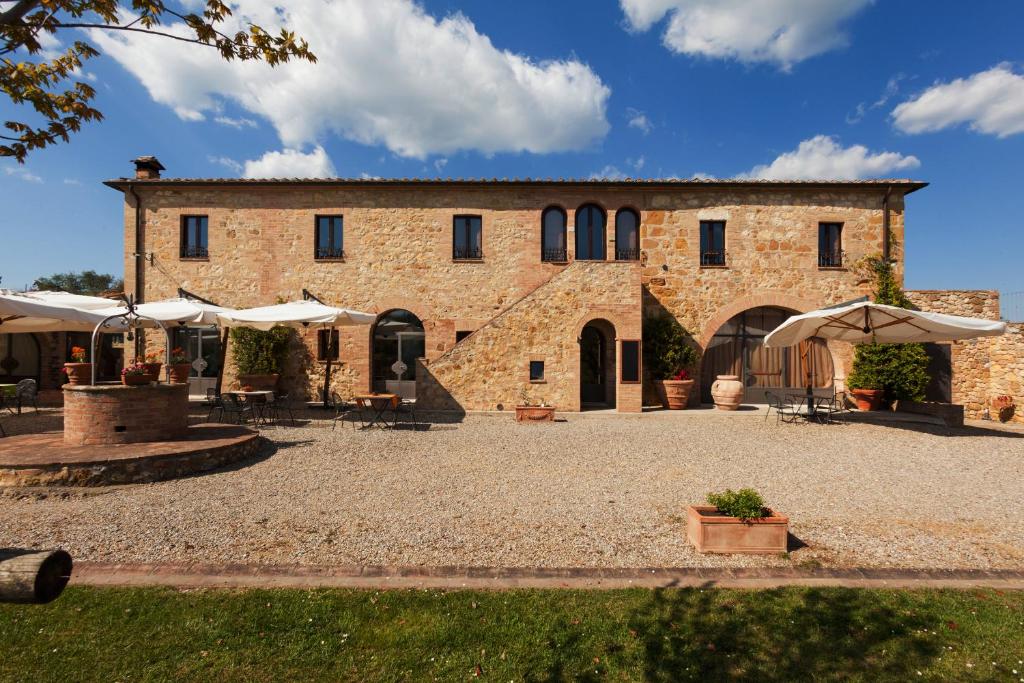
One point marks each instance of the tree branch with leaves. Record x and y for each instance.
(50, 87)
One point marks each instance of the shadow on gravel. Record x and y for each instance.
(937, 430)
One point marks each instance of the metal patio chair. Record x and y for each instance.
(27, 392)
(235, 407)
(342, 409)
(786, 409)
(282, 404)
(216, 403)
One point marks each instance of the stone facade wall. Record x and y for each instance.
(543, 326)
(398, 253)
(985, 367)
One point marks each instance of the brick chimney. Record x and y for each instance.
(147, 168)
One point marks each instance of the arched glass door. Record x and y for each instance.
(398, 340)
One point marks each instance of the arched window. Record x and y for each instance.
(552, 235)
(590, 222)
(627, 235)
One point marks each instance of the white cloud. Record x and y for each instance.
(235, 123)
(290, 163)
(892, 87)
(782, 31)
(226, 162)
(822, 158)
(388, 73)
(609, 172)
(72, 181)
(639, 120)
(637, 163)
(989, 102)
(22, 173)
(439, 164)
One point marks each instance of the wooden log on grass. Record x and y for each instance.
(33, 576)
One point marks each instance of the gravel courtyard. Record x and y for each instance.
(594, 490)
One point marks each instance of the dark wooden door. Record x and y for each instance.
(592, 375)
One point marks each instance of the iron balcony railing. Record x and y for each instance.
(713, 258)
(627, 254)
(832, 259)
(330, 252)
(554, 254)
(466, 253)
(193, 251)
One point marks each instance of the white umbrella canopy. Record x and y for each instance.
(294, 314)
(865, 322)
(43, 312)
(174, 311)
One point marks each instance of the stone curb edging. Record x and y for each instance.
(498, 578)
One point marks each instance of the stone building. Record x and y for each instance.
(496, 291)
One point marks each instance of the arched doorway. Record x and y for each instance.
(597, 365)
(737, 348)
(398, 340)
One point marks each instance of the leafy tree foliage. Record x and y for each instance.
(259, 352)
(667, 348)
(900, 370)
(63, 106)
(87, 282)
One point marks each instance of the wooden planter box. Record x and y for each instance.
(535, 413)
(712, 532)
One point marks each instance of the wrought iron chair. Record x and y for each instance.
(27, 392)
(232, 405)
(282, 404)
(785, 408)
(342, 409)
(214, 400)
(406, 407)
(262, 413)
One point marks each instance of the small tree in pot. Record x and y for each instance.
(668, 357)
(258, 355)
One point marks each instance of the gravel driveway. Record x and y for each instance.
(595, 490)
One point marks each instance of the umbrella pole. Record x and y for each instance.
(327, 373)
(223, 357)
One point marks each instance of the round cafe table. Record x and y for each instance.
(377, 405)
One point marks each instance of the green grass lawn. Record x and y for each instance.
(539, 635)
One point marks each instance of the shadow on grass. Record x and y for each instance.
(774, 635)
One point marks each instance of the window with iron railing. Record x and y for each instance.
(552, 235)
(590, 235)
(830, 245)
(627, 235)
(329, 237)
(194, 236)
(712, 243)
(467, 238)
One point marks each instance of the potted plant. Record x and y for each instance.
(887, 372)
(135, 374)
(668, 356)
(737, 522)
(179, 367)
(153, 365)
(525, 412)
(1004, 407)
(258, 355)
(78, 371)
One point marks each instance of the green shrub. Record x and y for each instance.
(257, 352)
(745, 503)
(667, 349)
(900, 370)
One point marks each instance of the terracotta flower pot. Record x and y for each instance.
(535, 413)
(674, 394)
(153, 371)
(712, 532)
(259, 382)
(179, 373)
(134, 380)
(1005, 413)
(727, 391)
(868, 399)
(78, 373)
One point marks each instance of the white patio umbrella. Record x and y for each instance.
(44, 312)
(298, 314)
(179, 310)
(866, 322)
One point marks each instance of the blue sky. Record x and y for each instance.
(837, 88)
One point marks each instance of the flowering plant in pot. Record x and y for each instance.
(668, 357)
(737, 522)
(78, 371)
(1004, 407)
(153, 365)
(135, 374)
(179, 367)
(527, 412)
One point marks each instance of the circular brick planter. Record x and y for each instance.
(115, 413)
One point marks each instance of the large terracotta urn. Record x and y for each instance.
(868, 399)
(674, 394)
(258, 382)
(179, 373)
(727, 391)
